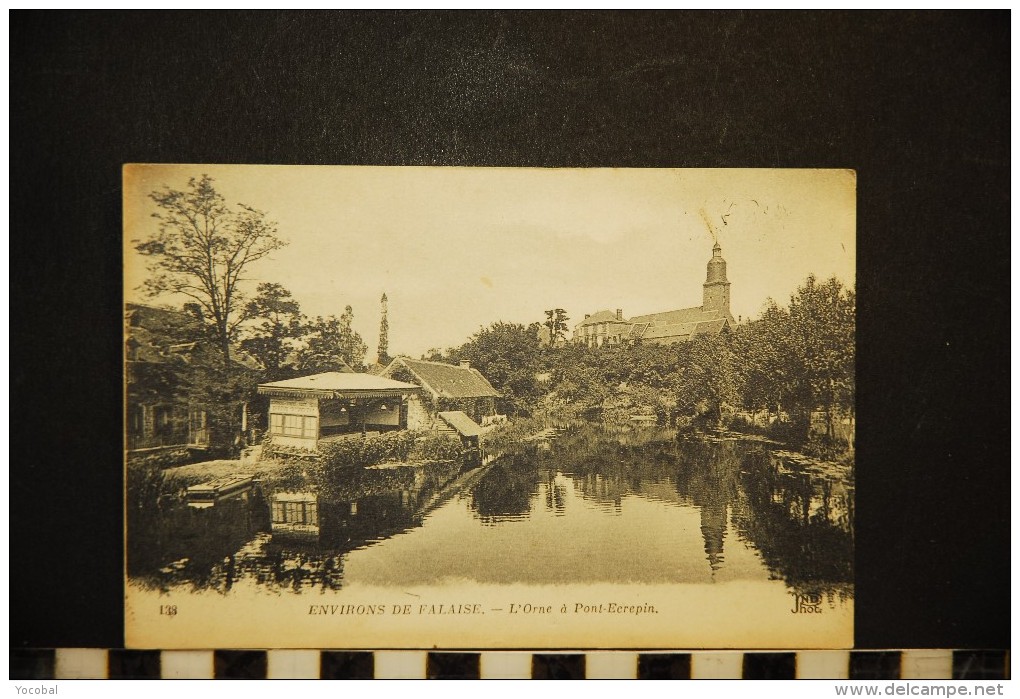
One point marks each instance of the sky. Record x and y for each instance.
(456, 249)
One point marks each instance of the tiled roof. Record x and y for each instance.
(157, 334)
(681, 331)
(681, 315)
(678, 325)
(599, 317)
(462, 423)
(637, 330)
(710, 326)
(447, 380)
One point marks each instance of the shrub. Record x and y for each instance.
(743, 423)
(375, 449)
(437, 447)
(511, 434)
(145, 484)
(280, 452)
(343, 461)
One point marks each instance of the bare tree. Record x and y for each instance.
(202, 249)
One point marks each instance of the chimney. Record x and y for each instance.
(619, 314)
(465, 364)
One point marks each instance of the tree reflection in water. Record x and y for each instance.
(507, 489)
(797, 516)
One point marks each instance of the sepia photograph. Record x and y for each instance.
(459, 407)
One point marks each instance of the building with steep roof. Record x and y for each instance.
(710, 318)
(446, 387)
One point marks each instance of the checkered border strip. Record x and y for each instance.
(87, 663)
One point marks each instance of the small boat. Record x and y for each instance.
(219, 489)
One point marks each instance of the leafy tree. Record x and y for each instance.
(581, 385)
(556, 324)
(202, 249)
(771, 372)
(277, 325)
(507, 354)
(707, 378)
(332, 342)
(651, 365)
(221, 392)
(434, 354)
(822, 331)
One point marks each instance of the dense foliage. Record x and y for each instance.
(331, 342)
(509, 355)
(773, 371)
(340, 459)
(211, 355)
(373, 449)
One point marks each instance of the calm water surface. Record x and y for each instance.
(594, 505)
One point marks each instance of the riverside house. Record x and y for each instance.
(308, 410)
(445, 387)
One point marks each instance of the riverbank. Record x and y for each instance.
(495, 441)
(813, 451)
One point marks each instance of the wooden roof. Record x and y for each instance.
(460, 421)
(336, 384)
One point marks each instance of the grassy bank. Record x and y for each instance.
(505, 436)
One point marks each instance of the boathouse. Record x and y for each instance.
(308, 410)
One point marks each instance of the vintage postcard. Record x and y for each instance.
(418, 407)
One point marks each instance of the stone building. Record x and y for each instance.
(445, 387)
(667, 327)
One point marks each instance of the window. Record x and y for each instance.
(303, 426)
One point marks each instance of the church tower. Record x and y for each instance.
(716, 295)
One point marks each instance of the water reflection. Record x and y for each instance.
(507, 490)
(594, 505)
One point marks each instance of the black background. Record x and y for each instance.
(917, 103)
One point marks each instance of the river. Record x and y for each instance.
(593, 505)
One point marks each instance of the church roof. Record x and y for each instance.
(637, 330)
(681, 315)
(681, 331)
